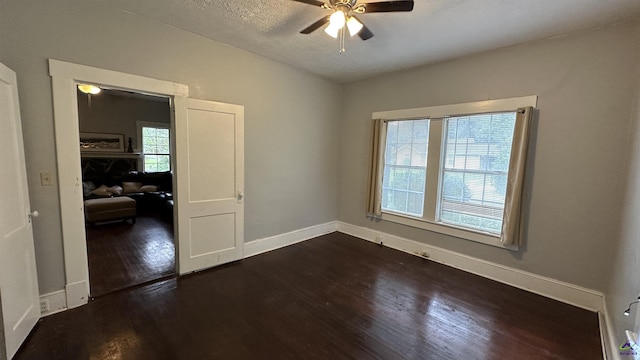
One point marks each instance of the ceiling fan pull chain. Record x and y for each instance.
(342, 49)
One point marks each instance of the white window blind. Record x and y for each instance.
(477, 149)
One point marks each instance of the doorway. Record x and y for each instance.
(125, 154)
(65, 77)
(209, 197)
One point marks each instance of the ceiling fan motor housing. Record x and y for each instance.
(348, 5)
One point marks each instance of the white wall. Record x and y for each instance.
(291, 117)
(585, 85)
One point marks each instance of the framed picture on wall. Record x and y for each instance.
(98, 142)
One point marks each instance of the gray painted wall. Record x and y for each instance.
(624, 282)
(585, 85)
(291, 117)
(108, 112)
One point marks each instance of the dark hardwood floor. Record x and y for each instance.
(122, 254)
(333, 297)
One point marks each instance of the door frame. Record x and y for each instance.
(64, 77)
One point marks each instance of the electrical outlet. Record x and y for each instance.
(46, 179)
(44, 306)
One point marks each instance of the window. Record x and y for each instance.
(405, 166)
(477, 149)
(156, 147)
(445, 168)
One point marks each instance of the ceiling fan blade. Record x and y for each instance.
(315, 26)
(389, 6)
(364, 33)
(311, 2)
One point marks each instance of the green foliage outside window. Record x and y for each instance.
(156, 147)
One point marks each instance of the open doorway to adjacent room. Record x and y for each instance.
(126, 159)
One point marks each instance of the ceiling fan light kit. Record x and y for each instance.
(342, 16)
(354, 26)
(336, 23)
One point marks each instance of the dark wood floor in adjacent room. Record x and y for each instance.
(333, 297)
(122, 254)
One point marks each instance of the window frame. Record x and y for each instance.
(435, 155)
(158, 125)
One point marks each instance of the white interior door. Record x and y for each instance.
(18, 278)
(209, 140)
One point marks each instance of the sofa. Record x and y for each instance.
(151, 191)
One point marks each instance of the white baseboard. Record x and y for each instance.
(57, 302)
(77, 294)
(610, 344)
(260, 246)
(606, 335)
(551, 288)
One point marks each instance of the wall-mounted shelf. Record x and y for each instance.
(110, 155)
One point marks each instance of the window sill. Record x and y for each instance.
(466, 234)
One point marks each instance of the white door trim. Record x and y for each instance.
(64, 77)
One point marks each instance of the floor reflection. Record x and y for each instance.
(120, 346)
(400, 307)
(159, 254)
(465, 332)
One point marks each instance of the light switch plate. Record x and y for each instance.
(46, 179)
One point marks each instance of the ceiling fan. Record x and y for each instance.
(343, 13)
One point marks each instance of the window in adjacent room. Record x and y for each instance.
(445, 168)
(155, 146)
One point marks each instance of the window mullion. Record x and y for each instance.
(433, 169)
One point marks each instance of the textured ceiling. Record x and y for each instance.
(436, 30)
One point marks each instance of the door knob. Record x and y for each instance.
(240, 195)
(33, 214)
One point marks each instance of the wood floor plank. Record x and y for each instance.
(122, 254)
(333, 297)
